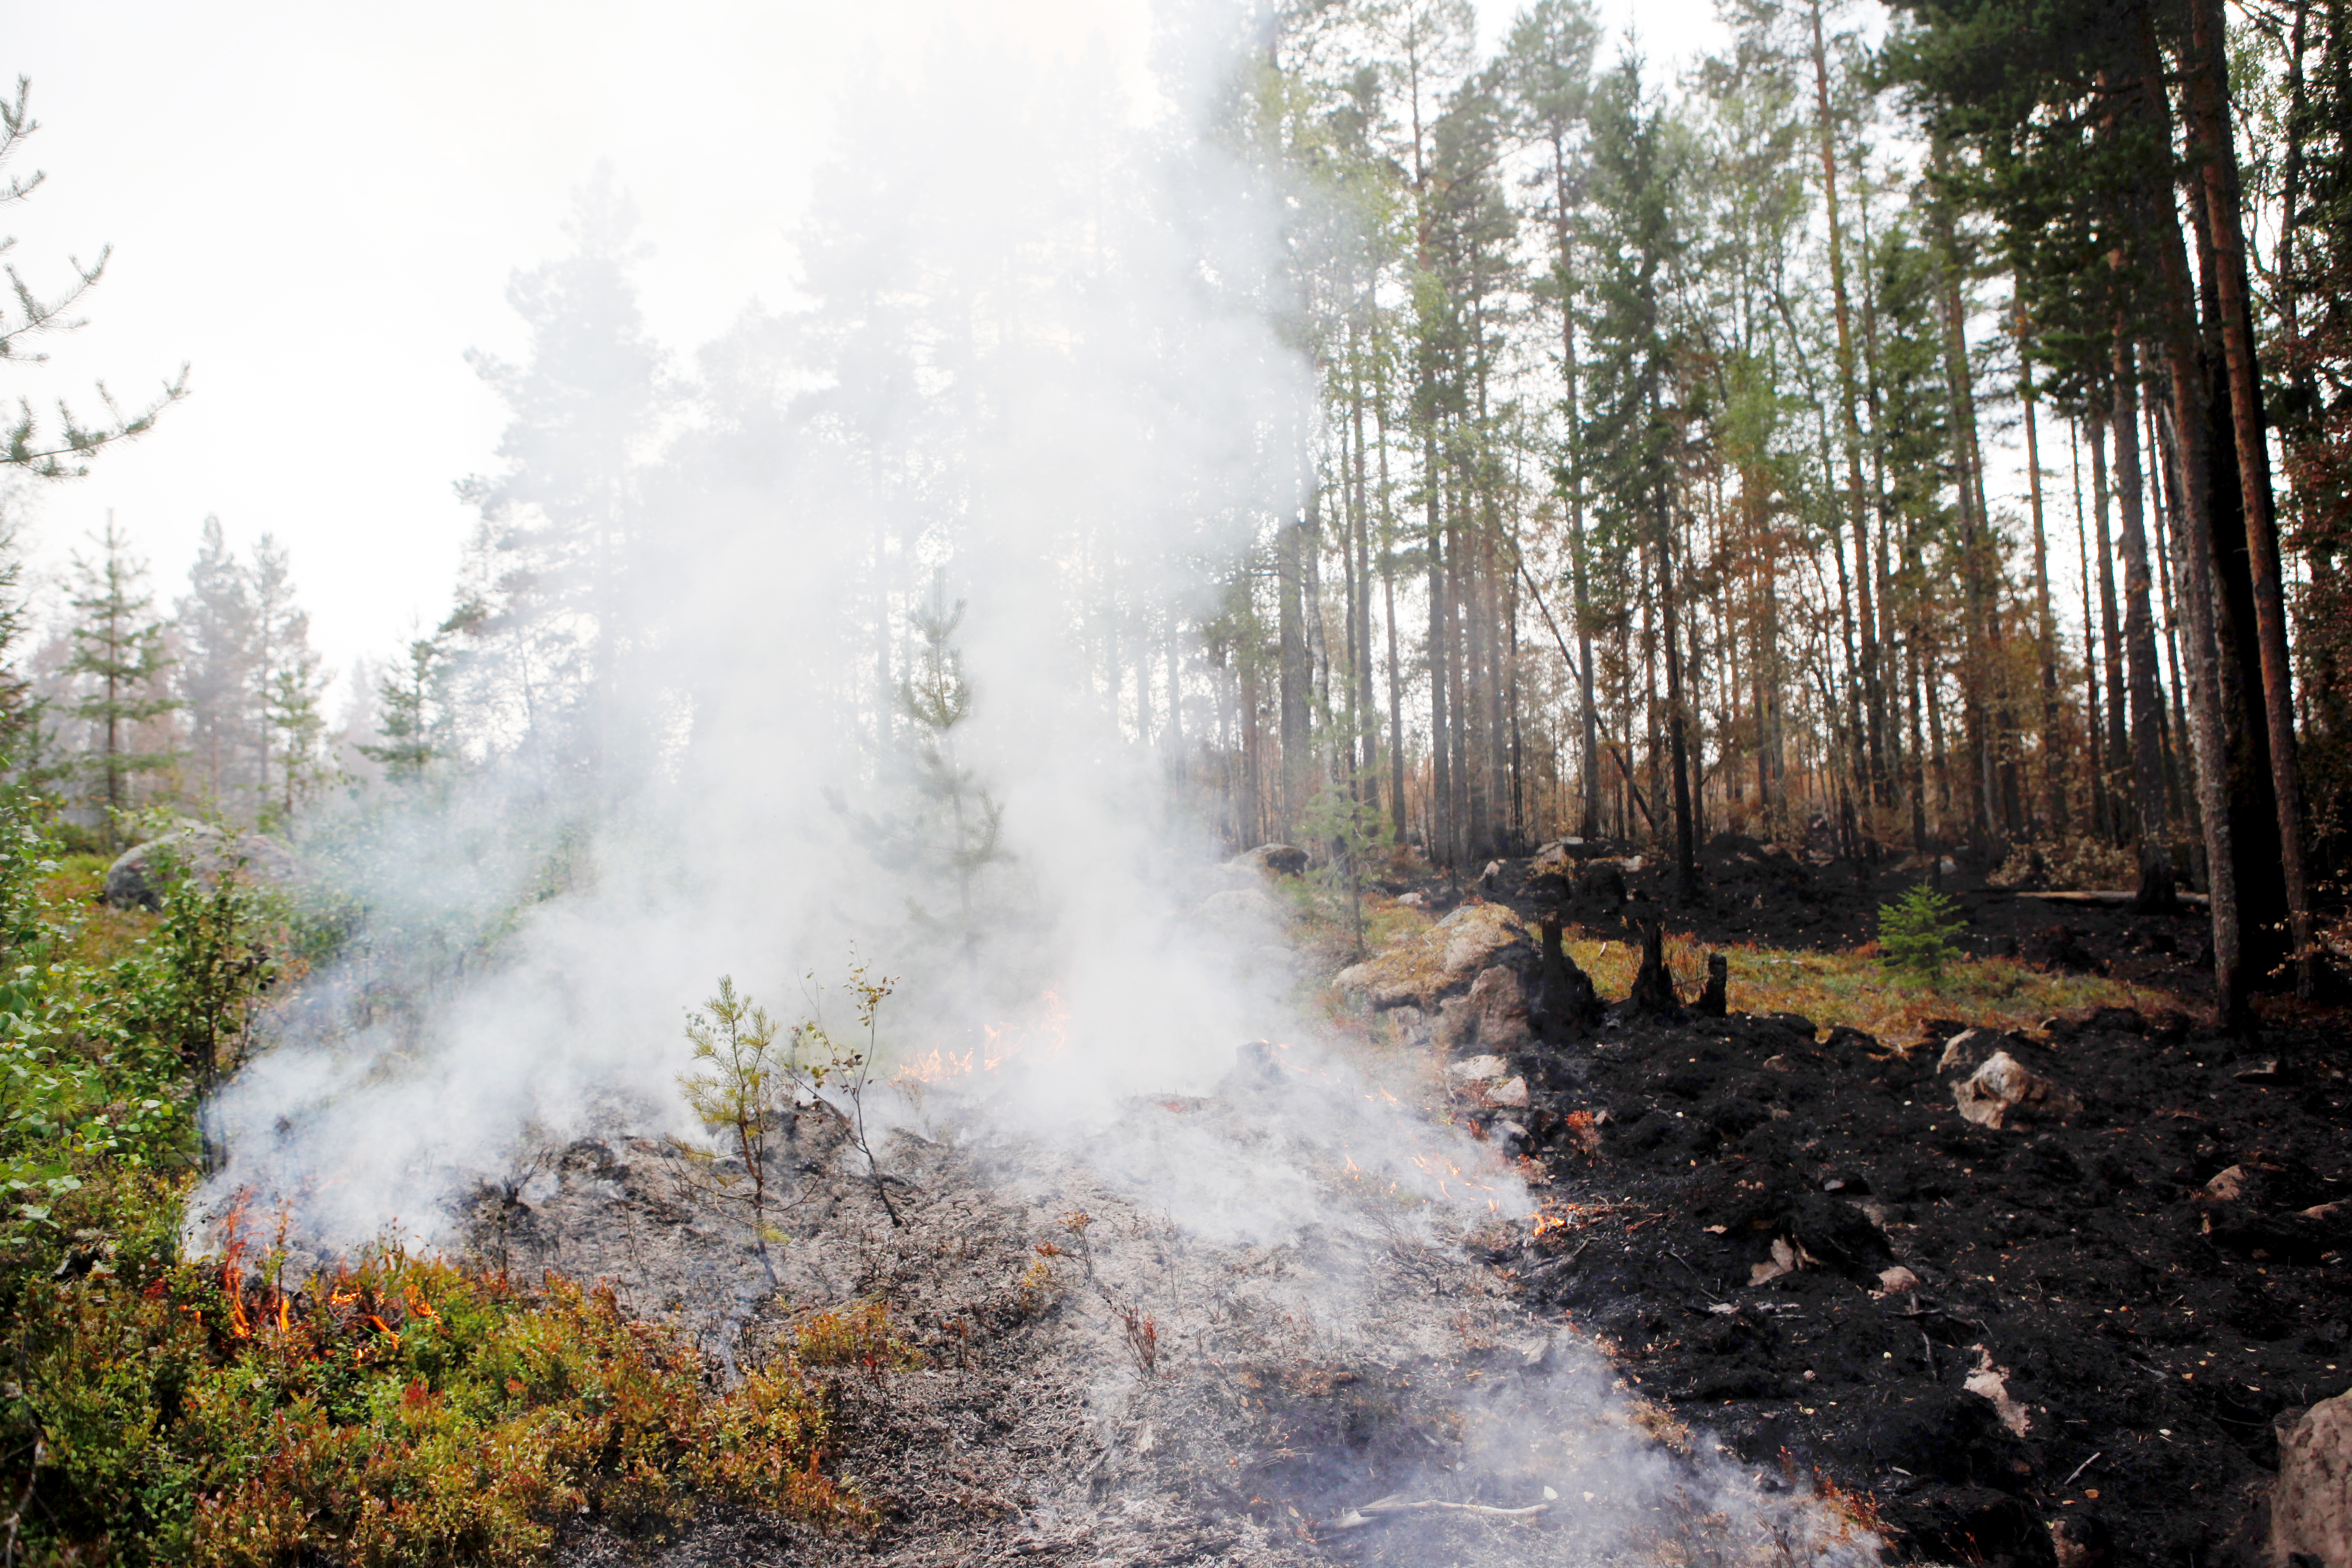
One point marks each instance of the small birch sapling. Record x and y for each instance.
(737, 1092)
(818, 1058)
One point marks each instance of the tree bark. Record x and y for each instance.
(1873, 698)
(2111, 634)
(1291, 545)
(1677, 738)
(2213, 149)
(1441, 740)
(1977, 684)
(2156, 889)
(2053, 767)
(2192, 554)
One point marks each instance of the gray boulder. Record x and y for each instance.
(2311, 1505)
(137, 879)
(1271, 860)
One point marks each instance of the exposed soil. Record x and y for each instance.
(2097, 1340)
(1131, 1356)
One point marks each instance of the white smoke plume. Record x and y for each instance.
(1033, 370)
(1036, 367)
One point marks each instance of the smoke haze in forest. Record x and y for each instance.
(338, 233)
(1034, 384)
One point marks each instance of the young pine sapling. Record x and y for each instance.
(737, 1092)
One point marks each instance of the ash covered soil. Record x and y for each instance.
(1102, 1383)
(1781, 1292)
(2097, 1315)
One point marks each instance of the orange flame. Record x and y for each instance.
(1048, 1033)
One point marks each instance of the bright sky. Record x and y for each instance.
(318, 207)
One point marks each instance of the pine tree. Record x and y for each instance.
(545, 621)
(409, 714)
(216, 620)
(30, 448)
(119, 661)
(1633, 423)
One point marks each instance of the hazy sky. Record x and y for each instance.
(318, 207)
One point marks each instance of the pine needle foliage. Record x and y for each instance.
(1915, 932)
(740, 1091)
(936, 699)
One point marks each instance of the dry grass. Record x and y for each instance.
(1854, 988)
(1858, 989)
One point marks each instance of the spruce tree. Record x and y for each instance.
(216, 627)
(957, 821)
(407, 719)
(117, 661)
(286, 683)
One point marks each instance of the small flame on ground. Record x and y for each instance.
(1048, 1035)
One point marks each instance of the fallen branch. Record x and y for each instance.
(2105, 896)
(1396, 1503)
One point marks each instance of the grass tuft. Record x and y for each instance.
(1860, 990)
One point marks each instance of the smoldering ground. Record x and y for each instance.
(845, 673)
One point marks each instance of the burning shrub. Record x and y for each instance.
(404, 1411)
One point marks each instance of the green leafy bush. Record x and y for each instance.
(1915, 932)
(159, 1409)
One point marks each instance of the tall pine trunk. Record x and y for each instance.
(2139, 634)
(2213, 149)
(2053, 770)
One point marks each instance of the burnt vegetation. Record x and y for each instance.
(2018, 1285)
(1800, 637)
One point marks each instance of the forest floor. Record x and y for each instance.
(1694, 1351)
(2109, 1309)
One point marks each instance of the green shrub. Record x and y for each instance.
(163, 1410)
(1915, 932)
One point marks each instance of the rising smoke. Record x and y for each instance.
(1035, 393)
(1032, 394)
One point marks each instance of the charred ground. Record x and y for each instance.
(2134, 1287)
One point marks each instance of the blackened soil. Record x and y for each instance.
(2148, 1334)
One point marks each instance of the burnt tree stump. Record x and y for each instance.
(1654, 985)
(1714, 1001)
(1566, 1001)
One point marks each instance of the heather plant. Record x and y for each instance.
(1915, 932)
